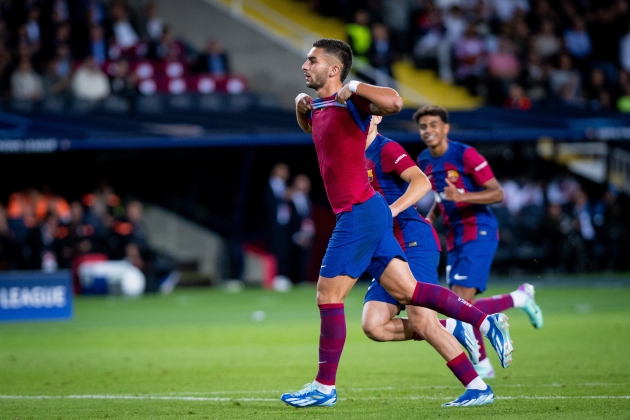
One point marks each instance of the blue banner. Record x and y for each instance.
(28, 295)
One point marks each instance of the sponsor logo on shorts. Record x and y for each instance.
(458, 277)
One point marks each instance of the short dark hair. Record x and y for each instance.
(430, 110)
(339, 49)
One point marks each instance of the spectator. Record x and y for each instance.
(536, 77)
(577, 40)
(152, 25)
(89, 82)
(125, 35)
(55, 83)
(302, 228)
(517, 99)
(123, 82)
(167, 46)
(360, 37)
(471, 59)
(565, 81)
(277, 217)
(32, 26)
(503, 69)
(25, 83)
(546, 43)
(98, 45)
(214, 60)
(396, 17)
(623, 103)
(624, 50)
(381, 54)
(506, 9)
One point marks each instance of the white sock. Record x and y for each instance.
(477, 383)
(450, 325)
(485, 326)
(485, 363)
(519, 297)
(325, 389)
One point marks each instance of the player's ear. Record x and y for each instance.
(376, 119)
(334, 70)
(447, 128)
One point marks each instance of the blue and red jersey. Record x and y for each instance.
(468, 171)
(386, 161)
(339, 134)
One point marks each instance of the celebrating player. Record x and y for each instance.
(464, 186)
(394, 175)
(339, 121)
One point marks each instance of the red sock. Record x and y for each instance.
(442, 300)
(463, 369)
(416, 337)
(331, 340)
(494, 304)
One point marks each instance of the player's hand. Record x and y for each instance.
(303, 103)
(394, 211)
(344, 94)
(451, 192)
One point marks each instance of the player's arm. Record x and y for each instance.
(383, 100)
(434, 213)
(492, 193)
(302, 109)
(419, 185)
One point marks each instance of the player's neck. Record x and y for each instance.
(439, 149)
(329, 89)
(370, 138)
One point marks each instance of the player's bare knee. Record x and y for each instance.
(373, 331)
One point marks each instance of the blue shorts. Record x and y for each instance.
(468, 265)
(361, 236)
(423, 265)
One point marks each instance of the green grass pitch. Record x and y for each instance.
(199, 354)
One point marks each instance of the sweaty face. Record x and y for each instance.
(433, 130)
(316, 68)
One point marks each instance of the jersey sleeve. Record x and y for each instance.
(395, 159)
(477, 166)
(362, 104)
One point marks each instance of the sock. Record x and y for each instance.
(442, 300)
(519, 298)
(326, 389)
(494, 304)
(463, 369)
(482, 347)
(444, 323)
(449, 324)
(332, 337)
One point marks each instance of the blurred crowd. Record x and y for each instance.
(41, 230)
(555, 226)
(91, 49)
(289, 224)
(515, 53)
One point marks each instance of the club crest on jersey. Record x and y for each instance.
(452, 175)
(370, 175)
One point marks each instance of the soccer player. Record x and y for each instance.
(394, 175)
(339, 121)
(464, 186)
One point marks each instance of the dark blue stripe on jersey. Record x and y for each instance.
(363, 123)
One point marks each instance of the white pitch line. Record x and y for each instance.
(221, 399)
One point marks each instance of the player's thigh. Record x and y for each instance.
(468, 265)
(356, 236)
(398, 280)
(377, 313)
